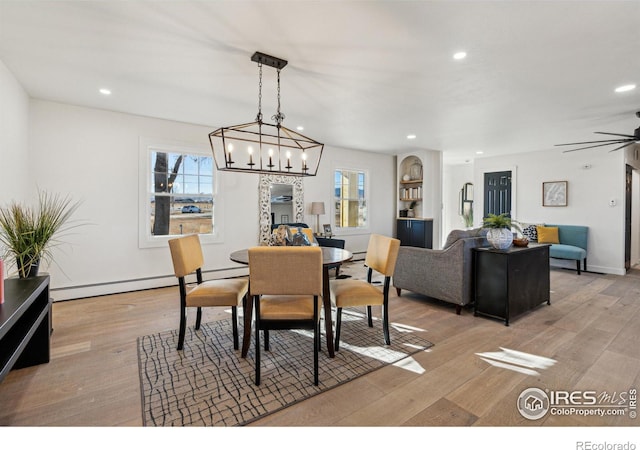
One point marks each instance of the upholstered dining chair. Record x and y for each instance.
(186, 253)
(382, 254)
(286, 286)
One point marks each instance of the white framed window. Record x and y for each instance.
(351, 199)
(177, 193)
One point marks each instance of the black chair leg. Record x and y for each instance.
(369, 316)
(183, 326)
(198, 318)
(234, 318)
(578, 266)
(385, 323)
(266, 340)
(257, 354)
(585, 264)
(316, 346)
(336, 345)
(257, 325)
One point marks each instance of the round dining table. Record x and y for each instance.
(330, 257)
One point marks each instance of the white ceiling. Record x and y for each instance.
(361, 74)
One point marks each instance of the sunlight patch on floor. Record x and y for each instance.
(411, 365)
(517, 361)
(383, 354)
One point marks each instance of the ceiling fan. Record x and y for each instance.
(624, 139)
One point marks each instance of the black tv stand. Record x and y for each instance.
(25, 323)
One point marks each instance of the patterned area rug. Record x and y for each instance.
(208, 383)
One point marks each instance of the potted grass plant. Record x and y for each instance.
(28, 234)
(467, 218)
(500, 235)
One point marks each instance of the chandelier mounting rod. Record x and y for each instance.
(263, 58)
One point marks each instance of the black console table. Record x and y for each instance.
(25, 323)
(511, 282)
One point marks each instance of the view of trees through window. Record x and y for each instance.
(350, 199)
(181, 194)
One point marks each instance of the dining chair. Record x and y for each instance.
(286, 286)
(186, 253)
(382, 254)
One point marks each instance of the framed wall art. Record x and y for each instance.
(554, 193)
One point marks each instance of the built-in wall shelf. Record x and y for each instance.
(419, 187)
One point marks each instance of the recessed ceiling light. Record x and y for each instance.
(479, 153)
(300, 128)
(105, 91)
(626, 87)
(460, 55)
(411, 136)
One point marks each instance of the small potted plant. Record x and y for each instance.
(500, 235)
(28, 234)
(467, 218)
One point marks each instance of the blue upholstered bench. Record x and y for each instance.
(573, 244)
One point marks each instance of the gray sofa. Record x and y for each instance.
(445, 274)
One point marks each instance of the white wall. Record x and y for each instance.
(454, 177)
(589, 192)
(14, 122)
(93, 155)
(14, 143)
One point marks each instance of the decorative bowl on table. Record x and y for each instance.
(521, 242)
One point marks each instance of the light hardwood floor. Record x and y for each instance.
(591, 330)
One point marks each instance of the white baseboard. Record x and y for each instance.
(571, 265)
(119, 287)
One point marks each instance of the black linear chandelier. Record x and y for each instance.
(260, 147)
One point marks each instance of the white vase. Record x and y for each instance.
(500, 238)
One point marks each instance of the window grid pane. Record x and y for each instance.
(350, 199)
(181, 202)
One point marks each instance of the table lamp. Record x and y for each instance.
(317, 208)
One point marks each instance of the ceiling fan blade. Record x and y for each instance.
(611, 141)
(593, 146)
(622, 146)
(615, 134)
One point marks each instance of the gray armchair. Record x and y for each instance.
(445, 274)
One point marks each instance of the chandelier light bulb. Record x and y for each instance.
(270, 165)
(288, 166)
(250, 150)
